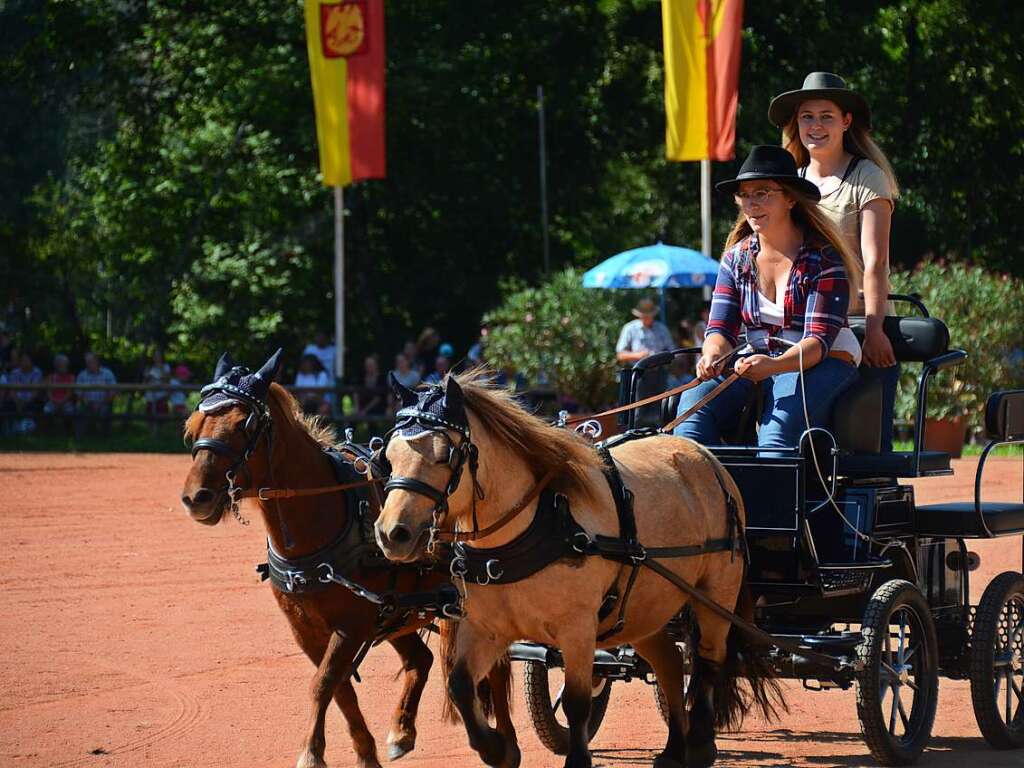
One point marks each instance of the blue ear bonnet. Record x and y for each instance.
(431, 411)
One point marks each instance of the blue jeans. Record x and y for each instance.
(782, 420)
(890, 378)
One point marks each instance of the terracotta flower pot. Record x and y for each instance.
(945, 435)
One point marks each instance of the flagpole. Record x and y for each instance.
(339, 284)
(705, 207)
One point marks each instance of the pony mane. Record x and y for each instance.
(542, 446)
(280, 402)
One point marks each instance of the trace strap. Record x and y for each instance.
(508, 517)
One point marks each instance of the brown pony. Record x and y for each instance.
(329, 625)
(681, 494)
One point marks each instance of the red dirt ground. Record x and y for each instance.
(133, 636)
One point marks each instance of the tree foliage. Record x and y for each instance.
(159, 160)
(561, 332)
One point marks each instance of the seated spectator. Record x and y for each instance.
(371, 393)
(179, 398)
(409, 350)
(322, 348)
(157, 372)
(427, 350)
(59, 400)
(312, 374)
(26, 401)
(441, 367)
(94, 404)
(476, 353)
(406, 375)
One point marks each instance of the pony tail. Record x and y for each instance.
(743, 661)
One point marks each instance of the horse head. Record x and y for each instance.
(427, 451)
(231, 433)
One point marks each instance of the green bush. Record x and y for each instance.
(563, 332)
(985, 315)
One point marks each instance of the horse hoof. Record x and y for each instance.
(309, 760)
(512, 756)
(701, 755)
(664, 761)
(400, 747)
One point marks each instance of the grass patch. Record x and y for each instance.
(970, 449)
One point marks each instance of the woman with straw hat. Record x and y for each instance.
(827, 128)
(786, 272)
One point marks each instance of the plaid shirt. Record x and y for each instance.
(815, 306)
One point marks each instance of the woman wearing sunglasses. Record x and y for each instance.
(786, 272)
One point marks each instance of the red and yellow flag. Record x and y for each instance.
(345, 41)
(702, 66)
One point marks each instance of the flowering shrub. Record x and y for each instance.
(985, 315)
(561, 332)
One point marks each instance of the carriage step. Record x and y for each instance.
(835, 581)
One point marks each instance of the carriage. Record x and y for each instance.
(855, 583)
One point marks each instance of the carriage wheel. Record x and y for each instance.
(544, 700)
(997, 662)
(898, 687)
(684, 649)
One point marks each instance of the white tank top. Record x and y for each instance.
(774, 314)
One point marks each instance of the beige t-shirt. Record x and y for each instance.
(865, 183)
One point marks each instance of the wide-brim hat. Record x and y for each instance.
(820, 85)
(768, 161)
(645, 308)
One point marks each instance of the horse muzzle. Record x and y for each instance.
(400, 542)
(204, 506)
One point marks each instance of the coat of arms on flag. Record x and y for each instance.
(343, 29)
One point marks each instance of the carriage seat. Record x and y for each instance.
(857, 419)
(1004, 423)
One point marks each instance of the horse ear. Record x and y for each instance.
(223, 366)
(403, 394)
(270, 368)
(454, 402)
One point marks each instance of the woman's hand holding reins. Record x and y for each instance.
(756, 367)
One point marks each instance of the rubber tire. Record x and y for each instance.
(983, 637)
(892, 595)
(553, 734)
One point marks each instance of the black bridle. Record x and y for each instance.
(258, 424)
(460, 456)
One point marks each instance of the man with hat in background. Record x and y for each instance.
(638, 339)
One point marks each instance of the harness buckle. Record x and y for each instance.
(639, 554)
(491, 573)
(581, 542)
(328, 577)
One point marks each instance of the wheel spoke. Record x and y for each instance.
(913, 686)
(1009, 695)
(910, 653)
(1020, 701)
(904, 718)
(903, 638)
(558, 699)
(893, 710)
(889, 670)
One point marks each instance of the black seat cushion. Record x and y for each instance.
(913, 339)
(961, 519)
(895, 464)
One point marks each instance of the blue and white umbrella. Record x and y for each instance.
(653, 266)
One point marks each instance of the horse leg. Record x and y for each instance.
(708, 660)
(334, 667)
(475, 656)
(416, 662)
(662, 654)
(578, 654)
(500, 680)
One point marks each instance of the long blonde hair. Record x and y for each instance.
(818, 230)
(856, 140)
